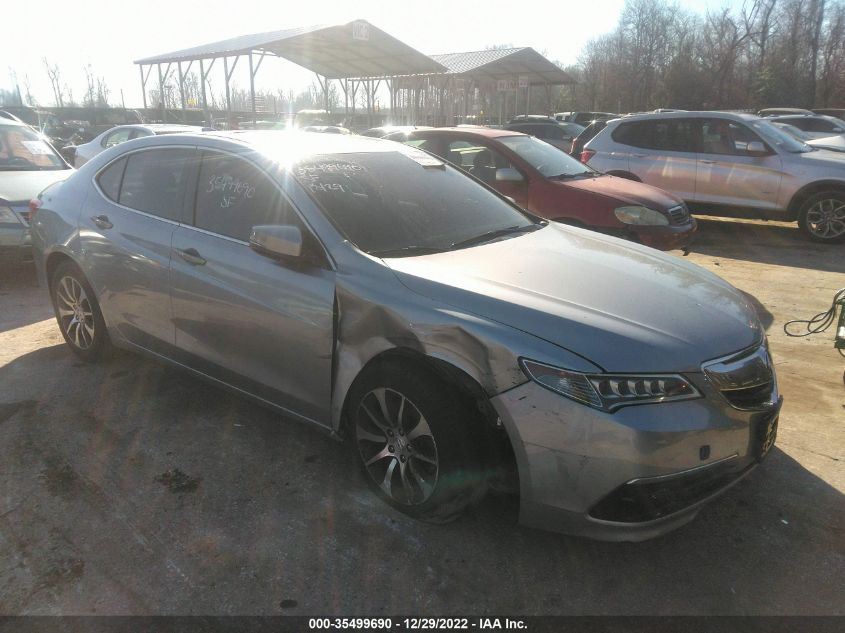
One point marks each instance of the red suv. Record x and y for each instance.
(553, 185)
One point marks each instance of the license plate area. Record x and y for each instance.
(765, 431)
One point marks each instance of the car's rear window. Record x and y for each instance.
(22, 149)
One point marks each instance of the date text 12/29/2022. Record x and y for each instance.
(415, 624)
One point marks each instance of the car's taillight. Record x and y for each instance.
(586, 155)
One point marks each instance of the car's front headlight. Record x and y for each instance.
(8, 216)
(642, 216)
(609, 392)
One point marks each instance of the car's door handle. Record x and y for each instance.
(192, 256)
(102, 221)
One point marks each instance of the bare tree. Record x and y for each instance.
(55, 77)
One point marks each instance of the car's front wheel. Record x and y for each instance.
(412, 437)
(78, 313)
(822, 217)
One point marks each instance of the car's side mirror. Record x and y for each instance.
(279, 242)
(756, 148)
(508, 174)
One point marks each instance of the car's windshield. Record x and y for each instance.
(547, 159)
(780, 139)
(391, 205)
(22, 149)
(801, 135)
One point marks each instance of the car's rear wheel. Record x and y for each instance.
(78, 313)
(822, 217)
(412, 437)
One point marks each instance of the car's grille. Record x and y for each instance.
(679, 214)
(652, 498)
(746, 380)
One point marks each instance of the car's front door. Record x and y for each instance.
(729, 175)
(259, 324)
(126, 227)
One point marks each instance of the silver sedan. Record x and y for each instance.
(455, 341)
(122, 133)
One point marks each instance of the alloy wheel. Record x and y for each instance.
(76, 315)
(826, 218)
(396, 446)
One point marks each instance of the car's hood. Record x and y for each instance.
(836, 143)
(625, 307)
(822, 159)
(625, 190)
(23, 186)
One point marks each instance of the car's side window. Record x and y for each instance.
(634, 133)
(478, 160)
(116, 138)
(154, 181)
(551, 132)
(674, 135)
(233, 195)
(720, 136)
(140, 134)
(822, 125)
(110, 179)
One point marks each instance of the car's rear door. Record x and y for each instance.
(259, 324)
(663, 153)
(126, 227)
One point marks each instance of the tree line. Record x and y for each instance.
(764, 53)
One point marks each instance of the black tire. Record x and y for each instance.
(78, 313)
(822, 217)
(435, 472)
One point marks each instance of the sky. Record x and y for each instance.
(111, 35)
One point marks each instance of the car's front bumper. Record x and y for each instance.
(630, 475)
(666, 238)
(15, 243)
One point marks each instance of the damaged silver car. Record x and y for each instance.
(454, 340)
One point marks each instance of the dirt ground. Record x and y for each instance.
(132, 488)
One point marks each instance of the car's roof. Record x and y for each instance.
(488, 132)
(688, 114)
(289, 144)
(12, 122)
(799, 116)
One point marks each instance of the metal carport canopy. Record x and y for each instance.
(506, 63)
(353, 49)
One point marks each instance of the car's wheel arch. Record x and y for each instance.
(495, 436)
(54, 259)
(812, 189)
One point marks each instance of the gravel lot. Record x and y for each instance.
(132, 488)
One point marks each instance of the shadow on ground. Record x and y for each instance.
(776, 243)
(131, 487)
(22, 301)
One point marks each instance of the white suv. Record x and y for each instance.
(724, 163)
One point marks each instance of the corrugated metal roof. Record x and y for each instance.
(465, 62)
(505, 63)
(353, 49)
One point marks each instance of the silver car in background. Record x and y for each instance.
(28, 164)
(454, 340)
(122, 133)
(724, 163)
